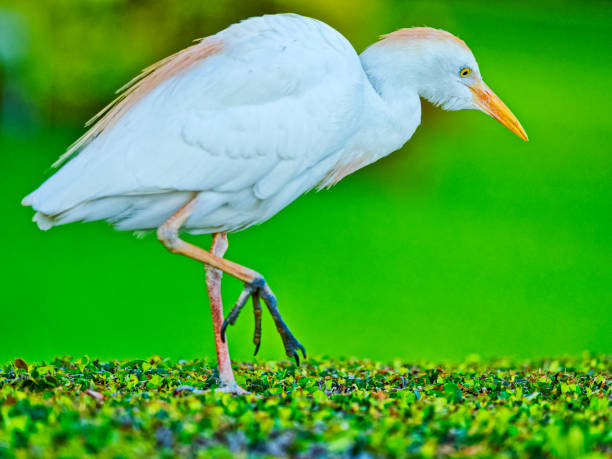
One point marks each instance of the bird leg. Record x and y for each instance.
(254, 284)
(213, 284)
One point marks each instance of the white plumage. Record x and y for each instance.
(247, 129)
(283, 104)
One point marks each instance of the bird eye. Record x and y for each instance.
(465, 71)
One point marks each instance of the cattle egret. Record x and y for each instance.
(224, 134)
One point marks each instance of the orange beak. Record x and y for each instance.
(491, 104)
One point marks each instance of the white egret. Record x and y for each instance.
(224, 134)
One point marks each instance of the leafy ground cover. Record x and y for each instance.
(324, 408)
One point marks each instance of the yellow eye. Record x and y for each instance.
(465, 71)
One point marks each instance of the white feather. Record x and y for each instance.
(248, 129)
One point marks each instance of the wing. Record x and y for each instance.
(265, 101)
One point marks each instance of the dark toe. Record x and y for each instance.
(223, 328)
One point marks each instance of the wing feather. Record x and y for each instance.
(138, 87)
(273, 97)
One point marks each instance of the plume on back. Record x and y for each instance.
(138, 87)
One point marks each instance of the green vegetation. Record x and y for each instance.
(325, 408)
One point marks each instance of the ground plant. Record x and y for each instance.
(324, 408)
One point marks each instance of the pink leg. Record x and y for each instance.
(255, 287)
(213, 283)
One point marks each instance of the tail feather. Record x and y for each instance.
(131, 213)
(43, 221)
(28, 200)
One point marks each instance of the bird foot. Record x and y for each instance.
(233, 389)
(256, 290)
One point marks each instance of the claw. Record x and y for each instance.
(259, 289)
(226, 323)
(257, 314)
(223, 327)
(235, 312)
(289, 341)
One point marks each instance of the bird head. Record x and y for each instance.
(442, 69)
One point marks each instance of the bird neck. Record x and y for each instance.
(397, 100)
(400, 72)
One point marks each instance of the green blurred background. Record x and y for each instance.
(466, 241)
